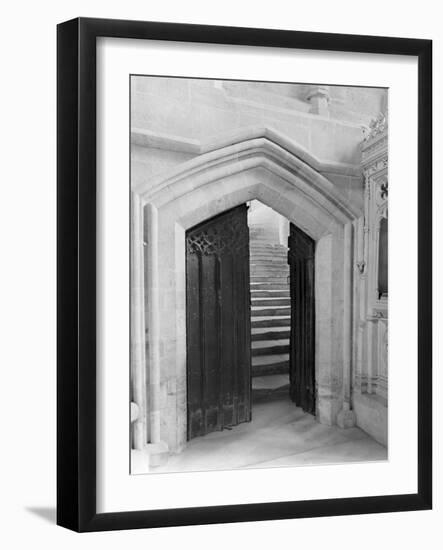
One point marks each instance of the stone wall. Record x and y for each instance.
(175, 116)
(200, 147)
(370, 385)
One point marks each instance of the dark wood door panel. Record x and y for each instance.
(301, 258)
(218, 323)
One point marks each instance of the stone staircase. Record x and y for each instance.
(270, 307)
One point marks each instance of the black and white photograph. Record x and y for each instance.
(220, 281)
(258, 274)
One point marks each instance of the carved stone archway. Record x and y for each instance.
(273, 171)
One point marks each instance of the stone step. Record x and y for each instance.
(268, 254)
(270, 359)
(269, 279)
(267, 334)
(270, 275)
(269, 270)
(260, 395)
(280, 342)
(263, 230)
(284, 268)
(279, 271)
(270, 294)
(269, 265)
(272, 362)
(269, 262)
(270, 312)
(262, 245)
(266, 247)
(262, 236)
(272, 321)
(258, 286)
(271, 382)
(272, 261)
(263, 272)
(270, 302)
(264, 365)
(269, 349)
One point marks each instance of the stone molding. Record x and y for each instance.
(375, 168)
(371, 376)
(146, 138)
(265, 152)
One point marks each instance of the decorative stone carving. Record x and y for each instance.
(377, 167)
(372, 376)
(377, 126)
(380, 202)
(379, 315)
(361, 267)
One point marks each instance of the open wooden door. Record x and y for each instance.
(218, 323)
(302, 337)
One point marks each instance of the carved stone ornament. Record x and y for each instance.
(377, 126)
(361, 267)
(378, 315)
(370, 148)
(376, 166)
(381, 192)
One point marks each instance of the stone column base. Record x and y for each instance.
(346, 418)
(158, 453)
(144, 460)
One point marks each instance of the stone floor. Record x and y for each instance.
(279, 434)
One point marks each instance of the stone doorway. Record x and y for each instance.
(263, 168)
(245, 308)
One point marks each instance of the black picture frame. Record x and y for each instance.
(76, 268)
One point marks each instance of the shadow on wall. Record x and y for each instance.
(44, 512)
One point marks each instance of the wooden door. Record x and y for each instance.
(218, 323)
(302, 337)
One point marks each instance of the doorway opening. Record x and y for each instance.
(250, 318)
(282, 312)
(270, 303)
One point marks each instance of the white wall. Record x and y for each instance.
(27, 218)
(202, 109)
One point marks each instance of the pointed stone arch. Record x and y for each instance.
(263, 166)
